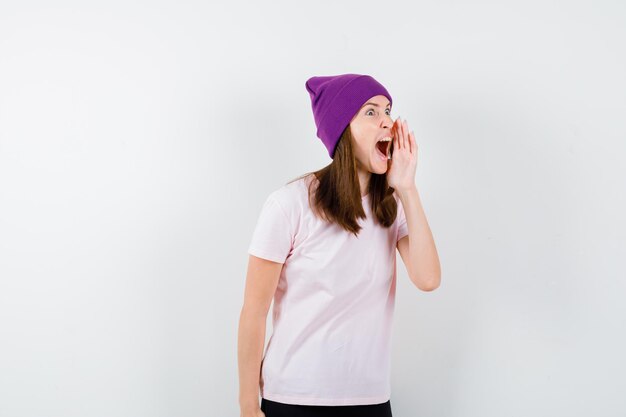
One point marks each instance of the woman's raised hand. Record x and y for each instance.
(403, 163)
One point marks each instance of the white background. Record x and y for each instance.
(138, 141)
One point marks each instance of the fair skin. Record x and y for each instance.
(261, 282)
(418, 252)
(370, 124)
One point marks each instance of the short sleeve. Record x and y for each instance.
(401, 220)
(272, 236)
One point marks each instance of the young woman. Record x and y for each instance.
(324, 249)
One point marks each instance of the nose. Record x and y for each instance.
(387, 121)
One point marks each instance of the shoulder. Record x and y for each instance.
(292, 195)
(287, 206)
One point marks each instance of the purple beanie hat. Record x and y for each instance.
(336, 99)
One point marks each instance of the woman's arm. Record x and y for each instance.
(417, 249)
(261, 281)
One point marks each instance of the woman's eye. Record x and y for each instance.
(369, 111)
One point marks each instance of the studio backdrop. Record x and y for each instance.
(138, 141)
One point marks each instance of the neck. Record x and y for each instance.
(364, 179)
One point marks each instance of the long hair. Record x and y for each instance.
(335, 196)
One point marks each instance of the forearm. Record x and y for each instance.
(251, 342)
(424, 267)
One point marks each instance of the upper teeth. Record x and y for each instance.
(387, 139)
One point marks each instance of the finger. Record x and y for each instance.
(405, 138)
(408, 138)
(401, 135)
(396, 133)
(393, 129)
(400, 142)
(395, 141)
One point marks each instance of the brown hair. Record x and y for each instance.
(337, 197)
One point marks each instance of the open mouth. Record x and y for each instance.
(385, 148)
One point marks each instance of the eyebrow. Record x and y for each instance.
(374, 104)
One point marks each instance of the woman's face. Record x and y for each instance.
(368, 126)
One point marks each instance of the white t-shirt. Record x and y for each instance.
(334, 304)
